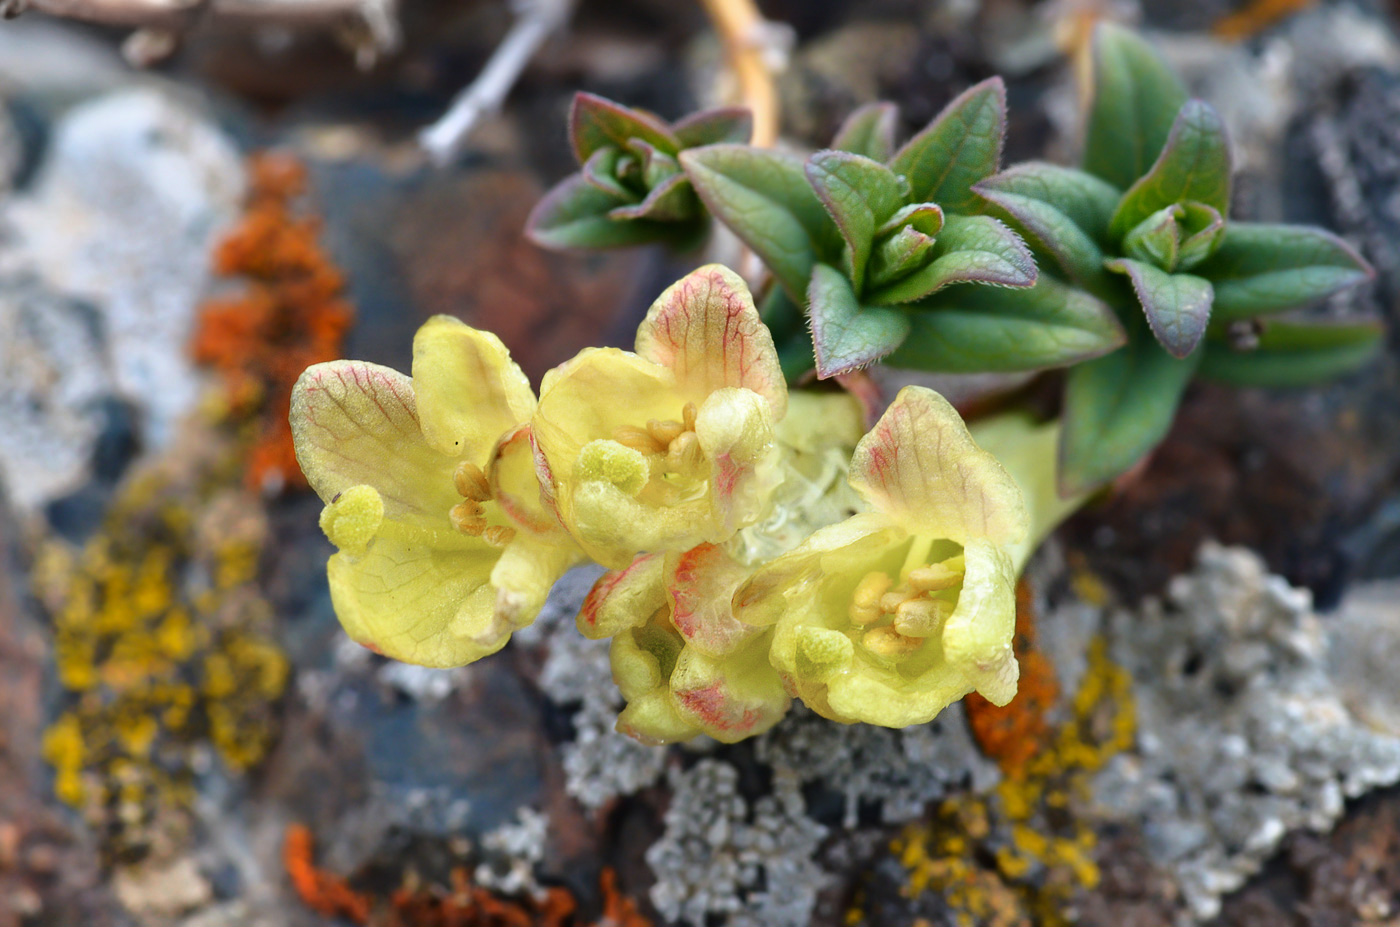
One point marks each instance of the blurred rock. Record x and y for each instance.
(106, 258)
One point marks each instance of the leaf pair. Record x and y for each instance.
(1143, 227)
(860, 233)
(630, 188)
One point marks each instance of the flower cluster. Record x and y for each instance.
(759, 546)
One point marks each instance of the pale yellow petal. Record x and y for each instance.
(705, 329)
(355, 423)
(469, 390)
(977, 636)
(523, 577)
(790, 584)
(920, 466)
(625, 598)
(700, 583)
(417, 602)
(731, 697)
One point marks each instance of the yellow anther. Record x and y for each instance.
(471, 482)
(665, 432)
(684, 454)
(688, 416)
(498, 535)
(638, 439)
(466, 518)
(892, 600)
(935, 577)
(871, 587)
(888, 643)
(921, 617)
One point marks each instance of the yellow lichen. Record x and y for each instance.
(1033, 825)
(161, 644)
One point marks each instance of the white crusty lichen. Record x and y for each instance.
(600, 764)
(511, 852)
(748, 864)
(898, 771)
(1243, 735)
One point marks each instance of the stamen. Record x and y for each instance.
(892, 600)
(466, 517)
(888, 643)
(498, 535)
(684, 453)
(638, 439)
(471, 482)
(665, 431)
(921, 617)
(937, 576)
(865, 601)
(689, 415)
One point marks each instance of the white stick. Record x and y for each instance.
(536, 21)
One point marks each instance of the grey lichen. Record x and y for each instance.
(1243, 736)
(900, 771)
(511, 852)
(750, 864)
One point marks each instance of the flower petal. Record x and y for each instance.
(735, 432)
(356, 423)
(730, 697)
(416, 602)
(623, 599)
(787, 585)
(700, 583)
(469, 390)
(522, 578)
(705, 329)
(920, 466)
(977, 636)
(515, 485)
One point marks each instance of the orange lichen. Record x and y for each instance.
(1019, 856)
(1255, 17)
(320, 891)
(1012, 735)
(459, 904)
(289, 315)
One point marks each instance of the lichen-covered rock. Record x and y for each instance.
(750, 864)
(901, 771)
(105, 258)
(1243, 735)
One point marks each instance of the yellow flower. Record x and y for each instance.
(671, 446)
(895, 613)
(685, 664)
(430, 496)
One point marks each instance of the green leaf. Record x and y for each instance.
(764, 197)
(860, 195)
(869, 131)
(1117, 409)
(657, 166)
(1194, 166)
(1063, 211)
(922, 217)
(960, 147)
(988, 329)
(970, 249)
(575, 215)
(1260, 269)
(595, 122)
(1177, 306)
(1290, 354)
(714, 126)
(1204, 230)
(600, 170)
(1134, 97)
(1157, 239)
(898, 255)
(846, 335)
(672, 200)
